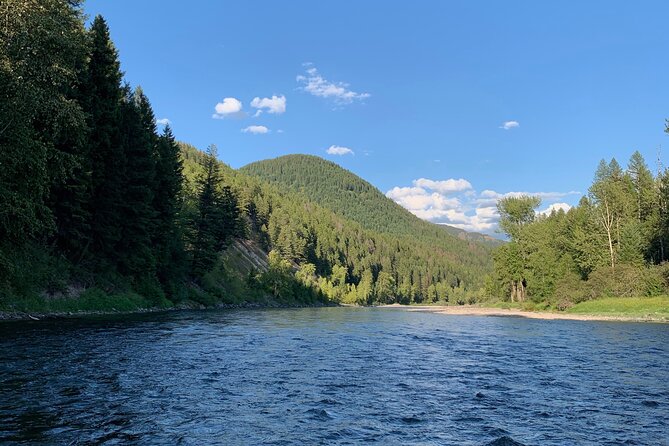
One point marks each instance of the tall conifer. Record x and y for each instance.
(102, 94)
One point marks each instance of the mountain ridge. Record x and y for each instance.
(310, 181)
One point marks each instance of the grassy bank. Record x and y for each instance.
(623, 307)
(652, 309)
(91, 300)
(656, 308)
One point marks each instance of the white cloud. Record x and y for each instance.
(555, 207)
(256, 129)
(338, 150)
(545, 196)
(274, 105)
(508, 125)
(228, 108)
(456, 203)
(163, 121)
(445, 187)
(312, 82)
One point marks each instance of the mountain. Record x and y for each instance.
(336, 219)
(336, 188)
(371, 251)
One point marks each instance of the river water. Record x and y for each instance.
(332, 376)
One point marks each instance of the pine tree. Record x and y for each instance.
(171, 262)
(208, 234)
(138, 216)
(642, 180)
(102, 95)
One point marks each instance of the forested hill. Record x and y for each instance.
(334, 187)
(352, 262)
(101, 210)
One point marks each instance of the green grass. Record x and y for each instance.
(635, 307)
(92, 299)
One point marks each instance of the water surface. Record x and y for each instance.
(332, 376)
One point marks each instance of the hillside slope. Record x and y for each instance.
(330, 185)
(397, 258)
(334, 187)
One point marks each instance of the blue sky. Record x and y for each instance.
(410, 95)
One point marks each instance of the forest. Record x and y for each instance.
(613, 244)
(101, 210)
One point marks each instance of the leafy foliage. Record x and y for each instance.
(610, 245)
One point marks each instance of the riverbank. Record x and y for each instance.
(653, 309)
(41, 309)
(38, 316)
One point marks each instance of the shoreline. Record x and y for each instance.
(470, 310)
(448, 310)
(9, 316)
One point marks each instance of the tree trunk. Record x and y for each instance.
(607, 221)
(613, 264)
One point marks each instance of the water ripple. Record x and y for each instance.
(333, 376)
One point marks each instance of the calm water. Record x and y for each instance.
(332, 376)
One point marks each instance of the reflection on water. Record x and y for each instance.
(333, 376)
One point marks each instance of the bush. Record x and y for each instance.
(623, 281)
(564, 304)
(656, 280)
(149, 288)
(569, 290)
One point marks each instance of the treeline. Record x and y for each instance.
(91, 196)
(615, 243)
(95, 203)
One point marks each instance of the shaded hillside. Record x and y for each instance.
(334, 187)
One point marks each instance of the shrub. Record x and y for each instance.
(570, 289)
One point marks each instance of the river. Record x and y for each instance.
(332, 376)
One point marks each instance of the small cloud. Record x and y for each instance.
(273, 105)
(163, 121)
(256, 129)
(436, 161)
(555, 207)
(279, 131)
(508, 125)
(338, 150)
(443, 186)
(315, 84)
(230, 107)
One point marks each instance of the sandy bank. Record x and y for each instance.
(467, 310)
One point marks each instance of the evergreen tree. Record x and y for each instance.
(138, 216)
(215, 216)
(168, 201)
(102, 95)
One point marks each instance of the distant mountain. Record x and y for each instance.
(336, 188)
(473, 236)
